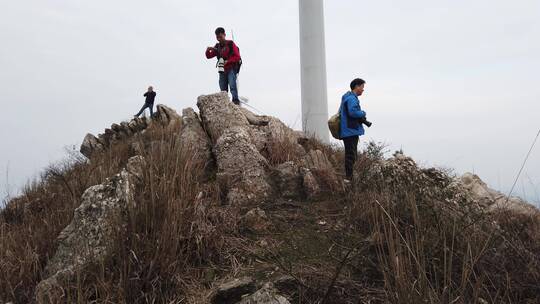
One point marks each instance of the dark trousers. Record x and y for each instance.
(150, 106)
(351, 152)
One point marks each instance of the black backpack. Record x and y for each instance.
(231, 51)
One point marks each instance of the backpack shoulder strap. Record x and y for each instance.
(231, 47)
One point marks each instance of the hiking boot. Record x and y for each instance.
(236, 102)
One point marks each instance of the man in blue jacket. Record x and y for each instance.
(351, 126)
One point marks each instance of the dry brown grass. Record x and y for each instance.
(176, 227)
(30, 223)
(177, 231)
(380, 244)
(429, 251)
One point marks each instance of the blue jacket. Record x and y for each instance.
(351, 113)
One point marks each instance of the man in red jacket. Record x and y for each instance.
(229, 62)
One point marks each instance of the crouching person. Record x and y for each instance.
(351, 124)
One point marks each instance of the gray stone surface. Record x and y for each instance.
(492, 199)
(289, 180)
(91, 234)
(91, 144)
(194, 137)
(164, 116)
(319, 174)
(310, 184)
(242, 170)
(265, 295)
(219, 114)
(255, 220)
(232, 291)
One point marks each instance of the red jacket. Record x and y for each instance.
(231, 58)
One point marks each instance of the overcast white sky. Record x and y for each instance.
(454, 83)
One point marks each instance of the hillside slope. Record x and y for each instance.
(225, 206)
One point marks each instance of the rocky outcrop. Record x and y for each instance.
(244, 291)
(255, 220)
(91, 234)
(244, 144)
(218, 115)
(242, 170)
(90, 145)
(247, 152)
(288, 180)
(322, 172)
(164, 116)
(401, 172)
(232, 291)
(492, 199)
(194, 137)
(167, 118)
(265, 295)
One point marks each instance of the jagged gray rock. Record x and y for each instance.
(288, 180)
(91, 234)
(255, 220)
(320, 175)
(278, 132)
(232, 291)
(164, 116)
(401, 172)
(218, 114)
(167, 117)
(241, 138)
(91, 144)
(242, 170)
(492, 199)
(265, 295)
(310, 184)
(194, 137)
(253, 119)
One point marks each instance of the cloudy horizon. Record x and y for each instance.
(452, 83)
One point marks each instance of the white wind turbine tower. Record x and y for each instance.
(313, 69)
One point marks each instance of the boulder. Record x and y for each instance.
(232, 291)
(319, 174)
(288, 180)
(280, 140)
(92, 232)
(242, 170)
(255, 220)
(477, 187)
(492, 199)
(285, 284)
(194, 137)
(265, 295)
(310, 184)
(253, 119)
(219, 114)
(90, 144)
(165, 116)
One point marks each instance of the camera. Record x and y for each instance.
(221, 65)
(365, 122)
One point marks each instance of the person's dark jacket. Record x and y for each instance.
(351, 113)
(150, 96)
